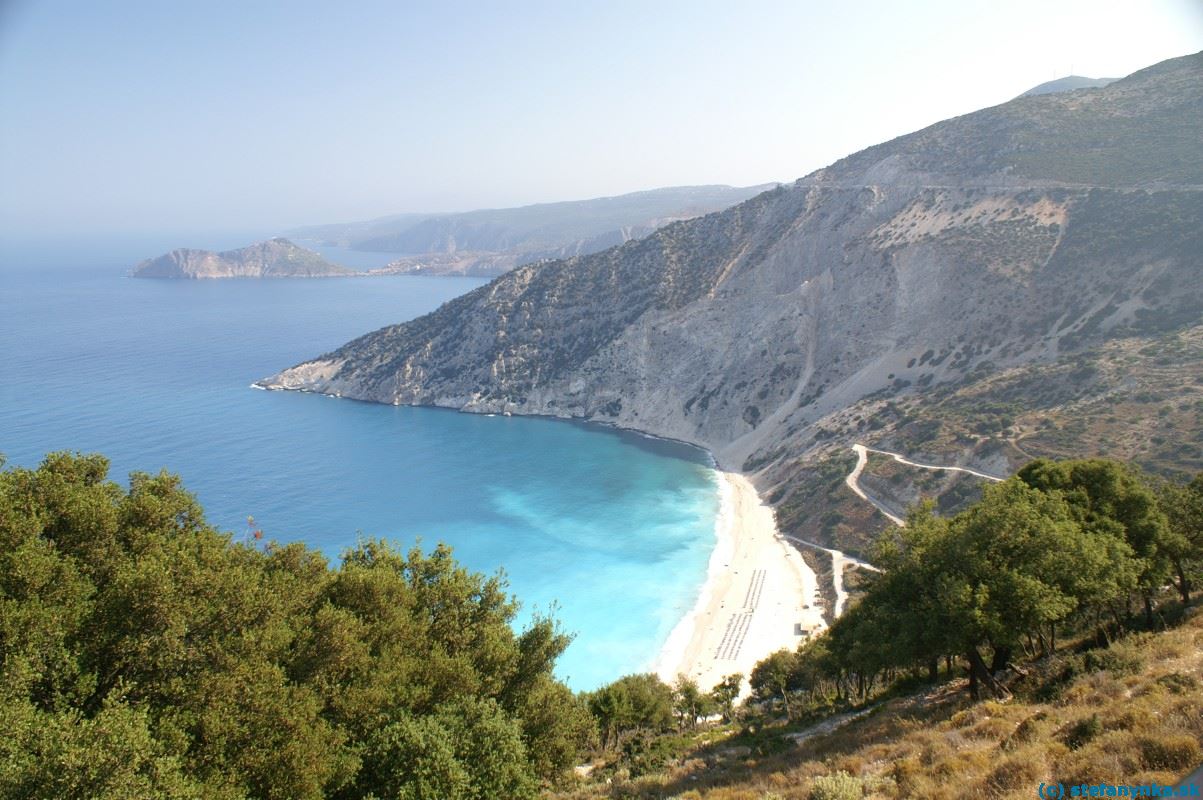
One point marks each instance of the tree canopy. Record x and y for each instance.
(632, 703)
(143, 653)
(1060, 543)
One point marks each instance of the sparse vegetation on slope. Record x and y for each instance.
(1031, 590)
(1125, 714)
(1134, 398)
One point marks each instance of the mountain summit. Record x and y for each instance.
(1068, 84)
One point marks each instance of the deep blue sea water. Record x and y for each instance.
(614, 528)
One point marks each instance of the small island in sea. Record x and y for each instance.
(275, 258)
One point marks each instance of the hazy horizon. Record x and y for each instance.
(189, 117)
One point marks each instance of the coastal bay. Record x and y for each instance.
(608, 530)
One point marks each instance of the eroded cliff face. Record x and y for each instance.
(932, 261)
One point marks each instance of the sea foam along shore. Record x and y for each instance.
(759, 595)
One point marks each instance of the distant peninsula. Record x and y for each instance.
(275, 258)
(488, 242)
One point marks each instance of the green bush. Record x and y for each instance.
(646, 753)
(1082, 731)
(1178, 683)
(1119, 659)
(840, 786)
(1172, 753)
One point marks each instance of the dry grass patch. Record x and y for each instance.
(1022, 770)
(1120, 723)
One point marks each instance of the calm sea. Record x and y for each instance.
(613, 530)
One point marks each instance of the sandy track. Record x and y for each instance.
(840, 561)
(901, 460)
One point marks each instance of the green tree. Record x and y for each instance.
(142, 653)
(1183, 507)
(556, 726)
(632, 703)
(724, 695)
(411, 757)
(489, 744)
(1019, 562)
(1111, 497)
(774, 677)
(50, 755)
(689, 702)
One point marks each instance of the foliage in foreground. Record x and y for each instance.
(1038, 590)
(142, 654)
(1061, 547)
(1128, 713)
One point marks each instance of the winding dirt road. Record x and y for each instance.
(841, 561)
(862, 458)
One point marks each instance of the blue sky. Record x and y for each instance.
(145, 116)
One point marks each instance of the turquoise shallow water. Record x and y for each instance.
(614, 528)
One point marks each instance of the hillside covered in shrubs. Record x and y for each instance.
(1046, 632)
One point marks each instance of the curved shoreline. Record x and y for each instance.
(759, 596)
(683, 639)
(728, 630)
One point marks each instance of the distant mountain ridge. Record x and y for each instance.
(952, 292)
(491, 241)
(1068, 84)
(275, 258)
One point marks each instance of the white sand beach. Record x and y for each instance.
(759, 596)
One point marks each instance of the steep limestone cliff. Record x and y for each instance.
(778, 331)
